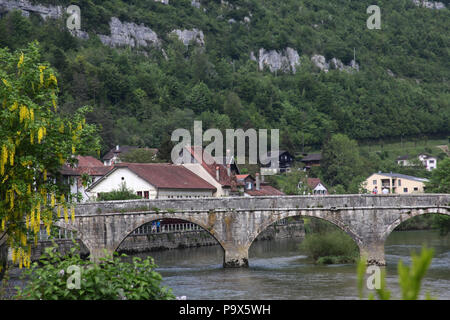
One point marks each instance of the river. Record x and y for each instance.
(278, 270)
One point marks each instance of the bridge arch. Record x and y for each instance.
(148, 219)
(411, 214)
(87, 243)
(322, 215)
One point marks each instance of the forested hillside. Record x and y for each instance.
(140, 94)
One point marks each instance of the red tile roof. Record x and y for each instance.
(88, 161)
(313, 182)
(86, 165)
(167, 176)
(265, 190)
(210, 165)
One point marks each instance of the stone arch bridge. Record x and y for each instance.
(235, 222)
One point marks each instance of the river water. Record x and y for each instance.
(278, 270)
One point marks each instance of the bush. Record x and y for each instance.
(111, 279)
(121, 194)
(329, 248)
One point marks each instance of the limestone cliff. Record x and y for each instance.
(26, 7)
(285, 60)
(429, 4)
(333, 64)
(189, 36)
(129, 34)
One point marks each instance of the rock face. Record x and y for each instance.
(129, 34)
(196, 3)
(122, 34)
(26, 7)
(187, 36)
(286, 60)
(333, 64)
(163, 1)
(429, 4)
(320, 62)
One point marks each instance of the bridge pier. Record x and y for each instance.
(374, 252)
(235, 257)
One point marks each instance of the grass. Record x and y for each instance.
(396, 148)
(399, 148)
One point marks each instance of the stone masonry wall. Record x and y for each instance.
(176, 240)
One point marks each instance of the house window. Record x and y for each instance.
(399, 182)
(146, 195)
(416, 189)
(431, 161)
(139, 193)
(374, 182)
(405, 190)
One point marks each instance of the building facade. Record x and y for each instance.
(153, 181)
(394, 183)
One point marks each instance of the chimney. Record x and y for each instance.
(229, 170)
(262, 178)
(257, 181)
(117, 148)
(217, 173)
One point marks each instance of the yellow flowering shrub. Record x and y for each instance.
(35, 140)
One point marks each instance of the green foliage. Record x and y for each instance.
(290, 182)
(111, 279)
(330, 247)
(409, 278)
(140, 155)
(141, 100)
(440, 178)
(427, 221)
(36, 139)
(123, 193)
(341, 161)
(443, 223)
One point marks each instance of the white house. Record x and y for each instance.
(153, 181)
(428, 161)
(316, 186)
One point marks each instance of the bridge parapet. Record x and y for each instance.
(258, 203)
(236, 221)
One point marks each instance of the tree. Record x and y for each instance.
(341, 160)
(440, 183)
(440, 178)
(35, 141)
(141, 155)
